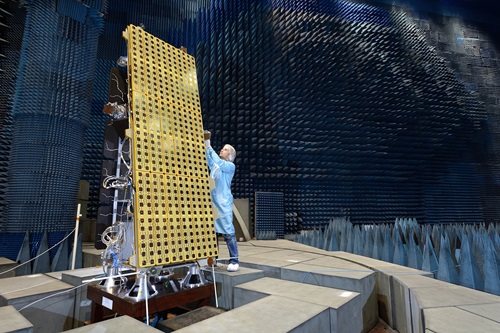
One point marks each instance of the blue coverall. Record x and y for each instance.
(222, 172)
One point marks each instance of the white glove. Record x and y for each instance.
(206, 138)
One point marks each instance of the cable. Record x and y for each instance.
(62, 240)
(115, 182)
(123, 201)
(228, 258)
(59, 293)
(115, 79)
(108, 149)
(30, 287)
(123, 158)
(147, 297)
(215, 287)
(213, 279)
(107, 277)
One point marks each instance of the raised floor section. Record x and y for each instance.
(288, 287)
(345, 307)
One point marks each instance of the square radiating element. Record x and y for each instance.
(173, 220)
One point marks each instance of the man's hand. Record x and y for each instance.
(206, 138)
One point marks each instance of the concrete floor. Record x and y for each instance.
(397, 297)
(380, 297)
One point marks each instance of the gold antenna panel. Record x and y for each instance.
(173, 220)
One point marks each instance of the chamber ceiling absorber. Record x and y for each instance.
(173, 219)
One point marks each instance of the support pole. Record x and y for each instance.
(75, 242)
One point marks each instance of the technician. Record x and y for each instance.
(222, 171)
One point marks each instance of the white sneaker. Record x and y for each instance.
(233, 267)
